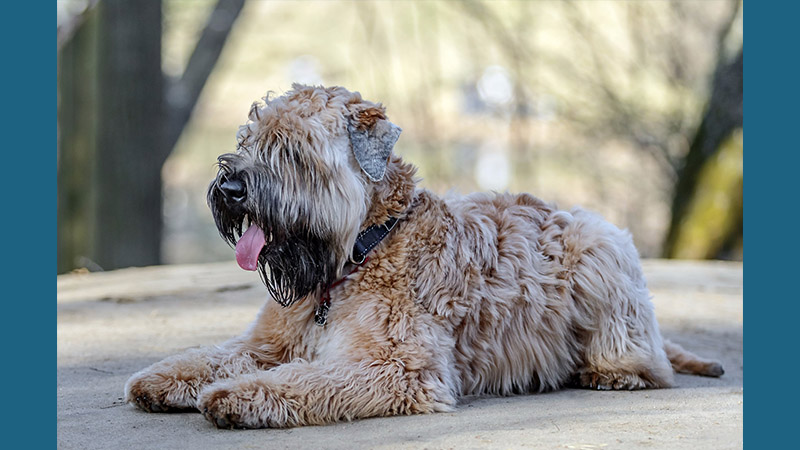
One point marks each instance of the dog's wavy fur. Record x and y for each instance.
(480, 294)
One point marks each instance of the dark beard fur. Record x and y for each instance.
(294, 267)
(295, 262)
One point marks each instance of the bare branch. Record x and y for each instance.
(182, 94)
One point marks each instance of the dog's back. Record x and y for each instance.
(538, 297)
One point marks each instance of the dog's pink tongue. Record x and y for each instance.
(249, 247)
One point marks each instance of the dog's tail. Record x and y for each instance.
(684, 361)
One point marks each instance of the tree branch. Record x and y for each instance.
(182, 94)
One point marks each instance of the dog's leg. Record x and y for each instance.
(303, 393)
(173, 383)
(622, 344)
(625, 350)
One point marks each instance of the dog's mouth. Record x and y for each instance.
(249, 247)
(292, 264)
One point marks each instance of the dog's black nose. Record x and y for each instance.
(233, 190)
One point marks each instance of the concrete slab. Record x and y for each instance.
(113, 324)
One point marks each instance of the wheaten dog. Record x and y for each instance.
(488, 293)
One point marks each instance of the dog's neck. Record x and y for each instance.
(391, 199)
(393, 195)
(367, 240)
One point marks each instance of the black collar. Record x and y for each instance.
(369, 238)
(365, 242)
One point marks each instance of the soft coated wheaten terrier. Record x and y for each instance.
(391, 300)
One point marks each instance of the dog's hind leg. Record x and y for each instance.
(615, 319)
(621, 354)
(684, 361)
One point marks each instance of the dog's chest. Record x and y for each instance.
(366, 319)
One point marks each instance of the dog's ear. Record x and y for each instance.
(372, 138)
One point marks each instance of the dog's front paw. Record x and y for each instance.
(157, 393)
(222, 408)
(232, 405)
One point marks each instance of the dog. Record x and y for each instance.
(389, 300)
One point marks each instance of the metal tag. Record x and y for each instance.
(321, 315)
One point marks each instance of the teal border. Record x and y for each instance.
(28, 221)
(772, 114)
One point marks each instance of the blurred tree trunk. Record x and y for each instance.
(732, 246)
(119, 118)
(723, 115)
(76, 120)
(128, 162)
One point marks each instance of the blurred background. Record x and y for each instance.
(632, 109)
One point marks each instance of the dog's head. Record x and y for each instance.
(312, 167)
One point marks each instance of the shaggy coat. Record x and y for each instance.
(479, 294)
